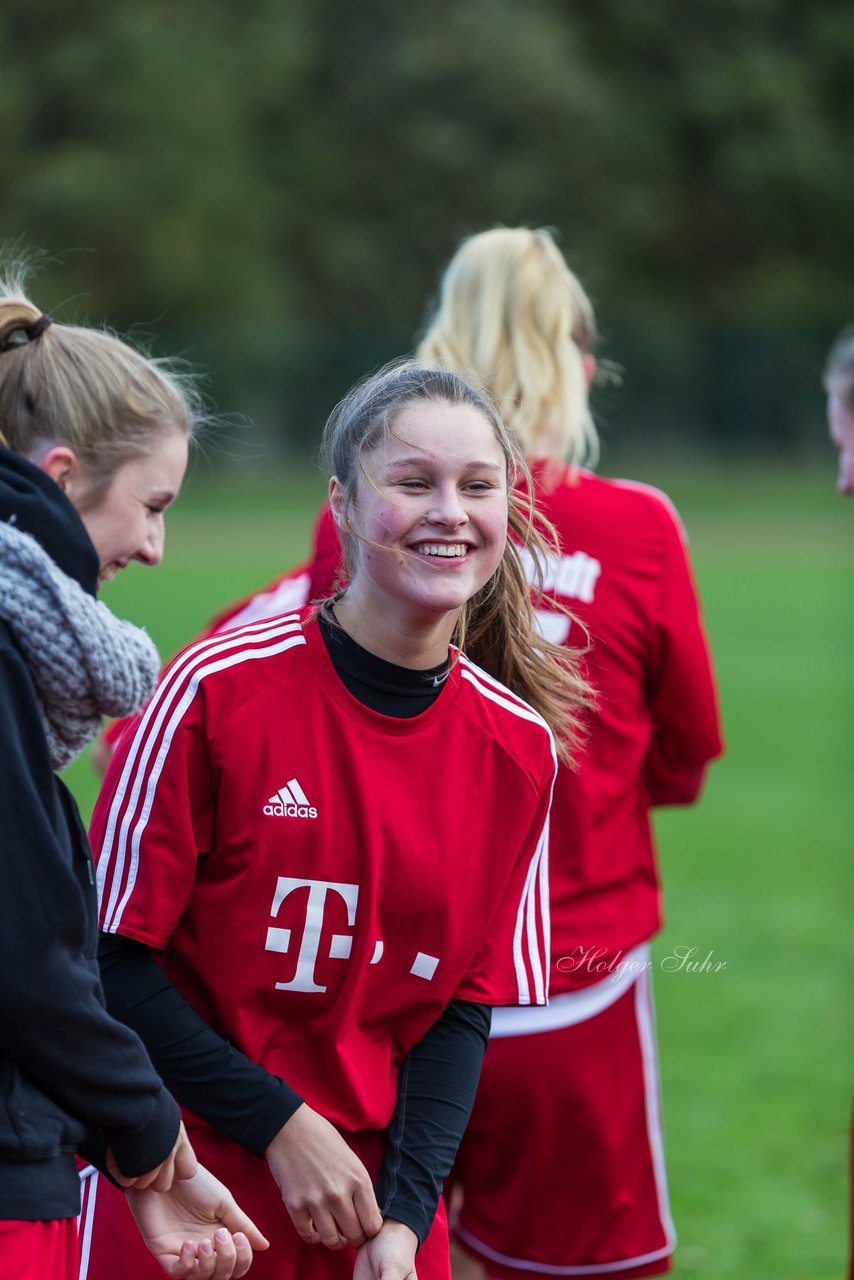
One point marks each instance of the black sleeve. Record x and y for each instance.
(203, 1070)
(53, 1023)
(435, 1095)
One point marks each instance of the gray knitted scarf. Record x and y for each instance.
(85, 662)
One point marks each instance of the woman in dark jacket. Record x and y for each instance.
(93, 448)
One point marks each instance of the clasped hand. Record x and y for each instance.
(325, 1187)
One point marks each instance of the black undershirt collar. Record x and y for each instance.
(382, 686)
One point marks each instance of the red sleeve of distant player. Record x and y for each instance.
(223, 620)
(683, 696)
(116, 728)
(325, 560)
(154, 816)
(511, 966)
(323, 566)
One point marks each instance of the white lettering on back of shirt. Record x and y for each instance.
(572, 576)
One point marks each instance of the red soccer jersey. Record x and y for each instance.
(309, 582)
(320, 878)
(625, 575)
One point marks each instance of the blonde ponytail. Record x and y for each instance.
(514, 318)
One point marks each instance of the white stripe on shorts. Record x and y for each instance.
(88, 1192)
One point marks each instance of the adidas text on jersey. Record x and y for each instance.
(290, 801)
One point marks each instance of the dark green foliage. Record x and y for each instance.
(274, 187)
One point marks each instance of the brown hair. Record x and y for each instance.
(497, 627)
(83, 388)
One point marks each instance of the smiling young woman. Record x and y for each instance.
(429, 526)
(331, 828)
(97, 441)
(125, 521)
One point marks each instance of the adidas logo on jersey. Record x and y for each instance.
(290, 802)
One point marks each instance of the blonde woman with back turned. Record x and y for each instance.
(560, 1171)
(93, 447)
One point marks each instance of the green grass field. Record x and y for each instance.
(756, 1056)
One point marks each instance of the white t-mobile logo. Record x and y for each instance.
(340, 944)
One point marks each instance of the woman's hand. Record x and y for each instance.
(179, 1164)
(390, 1255)
(325, 1187)
(196, 1229)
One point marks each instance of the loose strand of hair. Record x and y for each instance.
(498, 631)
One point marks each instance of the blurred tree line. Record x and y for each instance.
(273, 188)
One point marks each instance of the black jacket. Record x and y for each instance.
(71, 1077)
